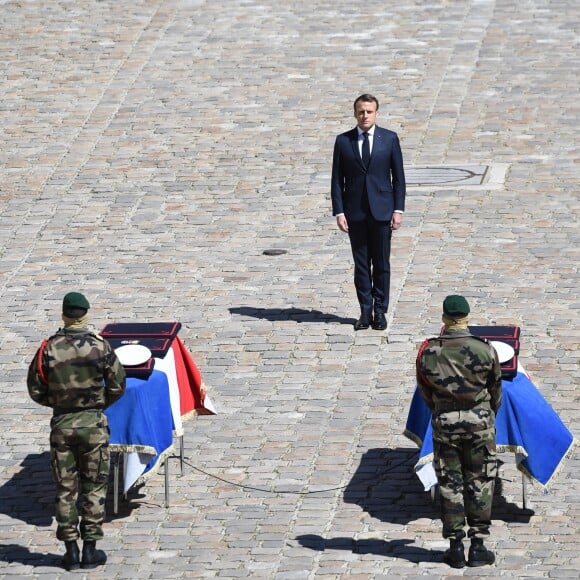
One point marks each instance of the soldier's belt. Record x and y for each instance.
(446, 408)
(59, 411)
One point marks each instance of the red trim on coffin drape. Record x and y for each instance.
(189, 381)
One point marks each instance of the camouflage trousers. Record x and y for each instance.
(80, 460)
(466, 468)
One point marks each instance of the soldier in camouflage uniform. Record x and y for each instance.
(78, 375)
(459, 378)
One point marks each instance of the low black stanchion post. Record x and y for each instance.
(181, 453)
(435, 494)
(116, 483)
(167, 482)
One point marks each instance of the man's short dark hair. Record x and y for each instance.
(367, 99)
(74, 312)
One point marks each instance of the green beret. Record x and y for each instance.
(75, 300)
(455, 305)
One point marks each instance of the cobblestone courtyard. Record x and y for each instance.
(153, 150)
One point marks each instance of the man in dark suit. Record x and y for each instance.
(368, 200)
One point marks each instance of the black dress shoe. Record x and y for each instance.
(380, 322)
(362, 323)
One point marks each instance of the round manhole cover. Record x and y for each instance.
(274, 252)
(444, 175)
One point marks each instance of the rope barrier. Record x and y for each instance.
(264, 490)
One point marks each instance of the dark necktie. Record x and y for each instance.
(366, 150)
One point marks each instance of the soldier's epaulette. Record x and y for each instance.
(97, 336)
(435, 338)
(480, 338)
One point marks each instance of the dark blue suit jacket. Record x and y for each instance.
(383, 181)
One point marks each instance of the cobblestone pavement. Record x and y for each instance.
(151, 151)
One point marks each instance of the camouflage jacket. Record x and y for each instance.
(458, 371)
(75, 370)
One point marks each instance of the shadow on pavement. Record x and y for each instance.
(395, 548)
(386, 487)
(29, 495)
(126, 504)
(14, 553)
(295, 314)
(508, 511)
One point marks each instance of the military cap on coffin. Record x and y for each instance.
(455, 305)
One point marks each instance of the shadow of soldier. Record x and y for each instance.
(13, 553)
(395, 548)
(386, 487)
(293, 314)
(29, 496)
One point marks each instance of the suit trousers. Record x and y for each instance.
(370, 241)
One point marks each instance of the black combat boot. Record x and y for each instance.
(455, 556)
(479, 555)
(91, 556)
(71, 559)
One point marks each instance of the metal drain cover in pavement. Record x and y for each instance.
(460, 175)
(470, 177)
(274, 252)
